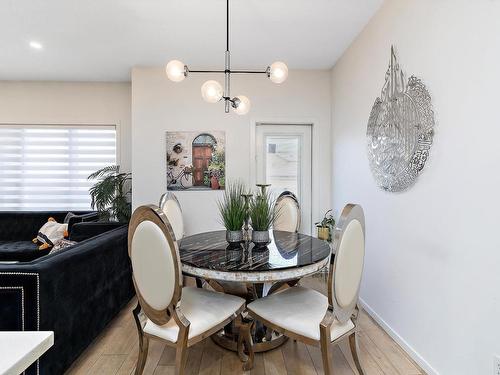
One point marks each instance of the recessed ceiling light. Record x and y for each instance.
(36, 45)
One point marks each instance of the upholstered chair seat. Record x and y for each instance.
(299, 310)
(204, 310)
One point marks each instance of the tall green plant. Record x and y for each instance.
(232, 206)
(110, 194)
(262, 212)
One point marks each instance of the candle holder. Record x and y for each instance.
(246, 226)
(263, 188)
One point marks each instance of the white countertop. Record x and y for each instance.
(18, 350)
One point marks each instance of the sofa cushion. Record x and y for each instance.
(83, 231)
(22, 251)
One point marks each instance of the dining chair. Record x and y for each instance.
(170, 205)
(309, 316)
(288, 212)
(180, 316)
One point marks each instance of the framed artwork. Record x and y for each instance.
(196, 160)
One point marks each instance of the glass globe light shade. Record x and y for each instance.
(278, 72)
(211, 91)
(175, 70)
(243, 106)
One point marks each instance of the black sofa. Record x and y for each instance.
(75, 292)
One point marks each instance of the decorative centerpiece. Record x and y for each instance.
(262, 215)
(246, 227)
(400, 130)
(325, 227)
(233, 211)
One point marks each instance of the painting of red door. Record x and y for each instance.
(202, 155)
(195, 160)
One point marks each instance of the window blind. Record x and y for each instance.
(45, 167)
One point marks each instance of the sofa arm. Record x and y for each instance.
(19, 298)
(74, 292)
(83, 231)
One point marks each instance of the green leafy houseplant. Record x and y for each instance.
(110, 194)
(232, 206)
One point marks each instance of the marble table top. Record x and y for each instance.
(288, 256)
(18, 350)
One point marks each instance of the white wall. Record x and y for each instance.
(433, 252)
(159, 105)
(70, 103)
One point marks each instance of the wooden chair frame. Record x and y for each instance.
(349, 213)
(173, 310)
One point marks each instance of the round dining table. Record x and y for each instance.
(260, 270)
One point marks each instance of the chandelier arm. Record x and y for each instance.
(248, 71)
(207, 71)
(230, 71)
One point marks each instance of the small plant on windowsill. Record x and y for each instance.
(233, 211)
(111, 194)
(325, 226)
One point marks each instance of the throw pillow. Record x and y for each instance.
(68, 216)
(61, 244)
(50, 233)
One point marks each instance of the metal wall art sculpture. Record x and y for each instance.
(400, 130)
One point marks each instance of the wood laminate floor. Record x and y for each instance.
(115, 350)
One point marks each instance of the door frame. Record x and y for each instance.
(315, 156)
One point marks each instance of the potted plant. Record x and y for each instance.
(325, 226)
(262, 215)
(110, 194)
(233, 211)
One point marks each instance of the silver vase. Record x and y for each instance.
(234, 236)
(260, 237)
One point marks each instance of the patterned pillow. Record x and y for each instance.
(50, 233)
(62, 244)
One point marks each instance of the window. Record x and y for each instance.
(45, 167)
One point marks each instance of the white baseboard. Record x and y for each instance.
(396, 337)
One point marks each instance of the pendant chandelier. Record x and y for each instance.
(212, 91)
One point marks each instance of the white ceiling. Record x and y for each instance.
(101, 40)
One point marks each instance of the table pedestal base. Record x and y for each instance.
(231, 342)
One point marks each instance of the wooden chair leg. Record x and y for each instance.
(325, 356)
(143, 343)
(245, 341)
(181, 352)
(353, 343)
(143, 355)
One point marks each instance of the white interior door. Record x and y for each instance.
(284, 160)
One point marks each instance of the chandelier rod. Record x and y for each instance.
(227, 25)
